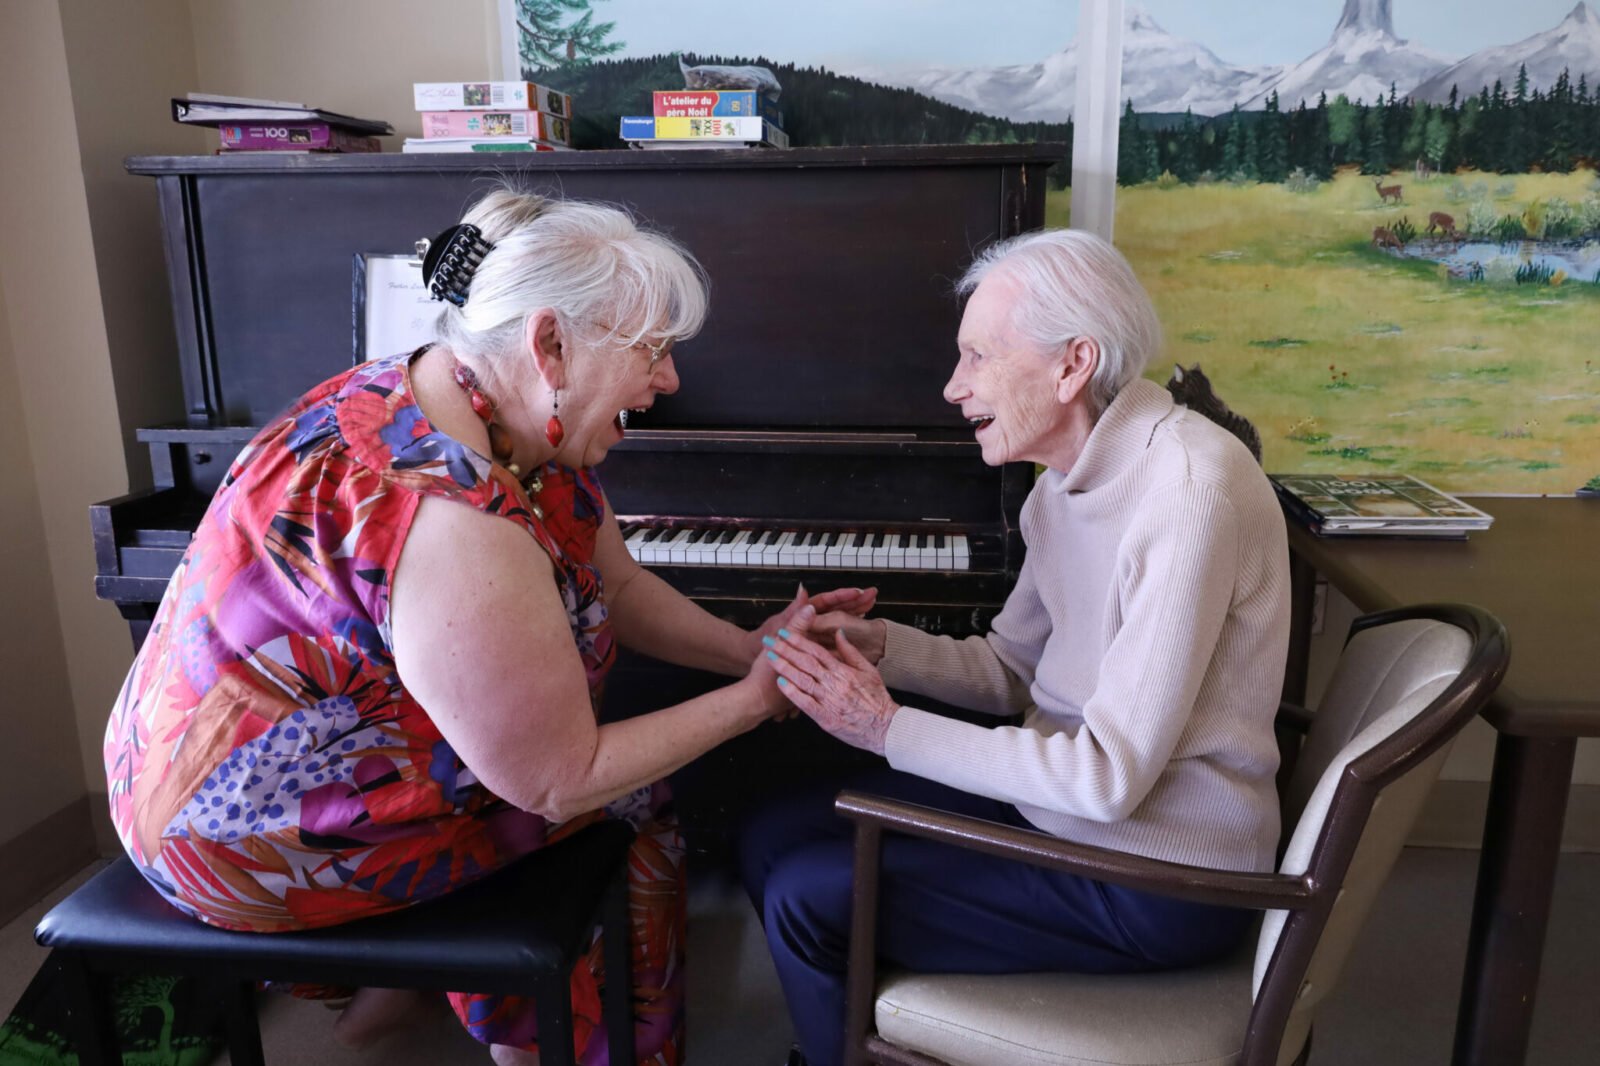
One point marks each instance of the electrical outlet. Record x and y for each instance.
(1319, 605)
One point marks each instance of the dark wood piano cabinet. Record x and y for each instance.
(812, 399)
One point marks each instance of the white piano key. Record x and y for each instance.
(927, 554)
(961, 556)
(772, 551)
(850, 553)
(701, 551)
(947, 553)
(650, 551)
(731, 553)
(833, 554)
(635, 541)
(757, 548)
(789, 552)
(877, 554)
(898, 551)
(816, 551)
(677, 547)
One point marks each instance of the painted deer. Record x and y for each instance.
(1383, 237)
(1386, 192)
(1445, 224)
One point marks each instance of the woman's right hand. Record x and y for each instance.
(762, 680)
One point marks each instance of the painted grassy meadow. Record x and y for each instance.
(1479, 372)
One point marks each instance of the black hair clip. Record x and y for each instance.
(450, 261)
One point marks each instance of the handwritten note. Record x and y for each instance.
(397, 313)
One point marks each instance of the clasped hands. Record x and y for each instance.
(834, 681)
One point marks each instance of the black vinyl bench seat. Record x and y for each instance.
(518, 931)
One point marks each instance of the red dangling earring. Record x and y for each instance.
(554, 431)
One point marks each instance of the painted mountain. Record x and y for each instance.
(1034, 92)
(1574, 46)
(1165, 73)
(1160, 72)
(1362, 60)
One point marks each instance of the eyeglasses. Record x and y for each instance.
(658, 351)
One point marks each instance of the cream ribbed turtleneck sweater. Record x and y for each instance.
(1145, 642)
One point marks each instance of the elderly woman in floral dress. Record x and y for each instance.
(374, 676)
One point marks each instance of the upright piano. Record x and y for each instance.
(809, 441)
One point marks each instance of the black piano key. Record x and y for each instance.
(655, 531)
(768, 537)
(694, 536)
(804, 541)
(942, 542)
(727, 536)
(830, 540)
(877, 540)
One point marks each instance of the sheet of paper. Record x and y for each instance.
(398, 314)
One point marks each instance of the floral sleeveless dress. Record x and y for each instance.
(268, 771)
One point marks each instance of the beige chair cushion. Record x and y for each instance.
(1072, 1019)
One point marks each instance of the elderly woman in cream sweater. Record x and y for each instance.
(1143, 645)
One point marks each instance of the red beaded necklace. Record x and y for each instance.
(500, 445)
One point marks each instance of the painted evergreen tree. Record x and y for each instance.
(560, 33)
(1436, 139)
(1130, 150)
(1273, 160)
(1344, 129)
(1377, 149)
(1232, 143)
(1319, 155)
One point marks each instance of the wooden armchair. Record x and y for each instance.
(1406, 683)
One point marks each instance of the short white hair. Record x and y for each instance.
(590, 263)
(1074, 284)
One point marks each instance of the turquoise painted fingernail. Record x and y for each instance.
(784, 633)
(772, 655)
(782, 682)
(769, 642)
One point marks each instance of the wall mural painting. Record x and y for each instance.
(930, 72)
(1385, 253)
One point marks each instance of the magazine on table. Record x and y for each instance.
(1376, 504)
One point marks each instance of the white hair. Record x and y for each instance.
(590, 263)
(1074, 284)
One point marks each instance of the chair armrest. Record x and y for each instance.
(1295, 717)
(1261, 891)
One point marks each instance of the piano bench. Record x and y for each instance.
(519, 931)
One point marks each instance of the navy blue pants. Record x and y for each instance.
(945, 910)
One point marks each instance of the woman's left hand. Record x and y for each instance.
(851, 601)
(845, 695)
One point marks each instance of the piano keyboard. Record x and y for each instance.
(811, 549)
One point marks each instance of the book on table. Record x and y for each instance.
(443, 145)
(527, 125)
(292, 137)
(680, 130)
(715, 103)
(490, 96)
(1336, 505)
(198, 109)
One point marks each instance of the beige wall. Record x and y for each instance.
(43, 770)
(357, 57)
(66, 416)
(125, 61)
